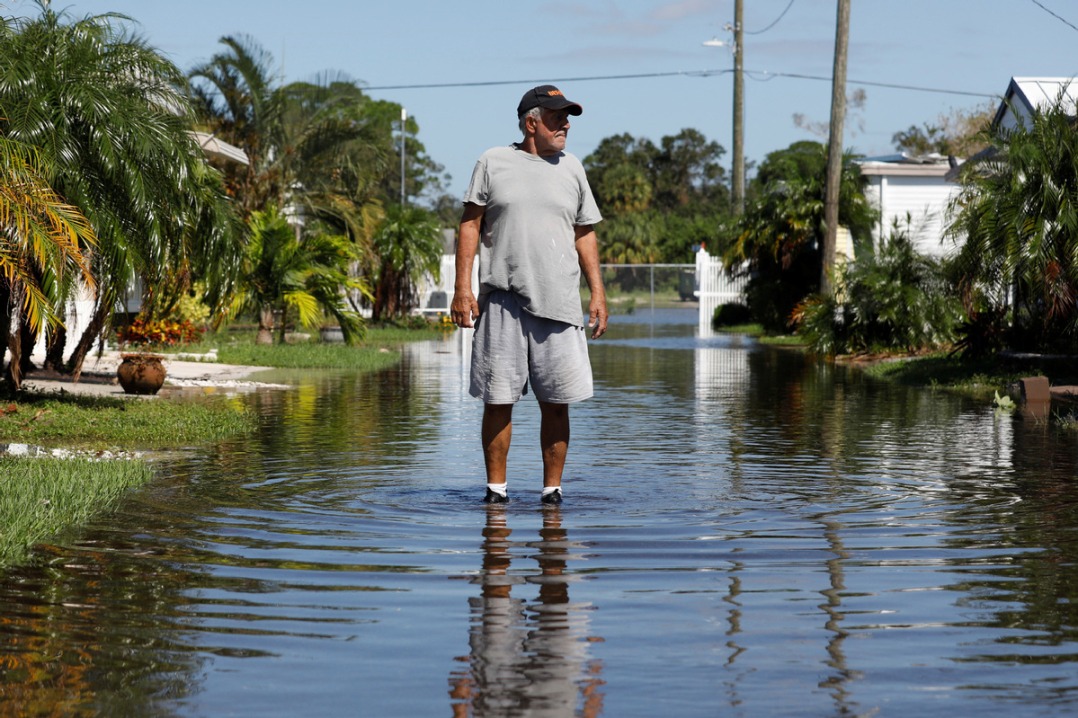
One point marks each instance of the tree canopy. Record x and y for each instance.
(959, 133)
(658, 200)
(777, 241)
(105, 116)
(1016, 218)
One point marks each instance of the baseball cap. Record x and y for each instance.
(549, 97)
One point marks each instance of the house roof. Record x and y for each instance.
(1024, 97)
(930, 165)
(219, 149)
(1028, 94)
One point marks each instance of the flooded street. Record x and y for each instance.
(745, 533)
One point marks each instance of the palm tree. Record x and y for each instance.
(41, 240)
(313, 154)
(236, 99)
(631, 238)
(106, 114)
(282, 273)
(408, 246)
(777, 240)
(1017, 213)
(308, 145)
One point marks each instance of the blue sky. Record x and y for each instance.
(958, 46)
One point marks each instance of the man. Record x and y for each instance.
(528, 212)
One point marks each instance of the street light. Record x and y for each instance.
(404, 135)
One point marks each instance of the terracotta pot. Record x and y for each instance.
(141, 373)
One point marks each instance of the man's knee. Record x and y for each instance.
(555, 412)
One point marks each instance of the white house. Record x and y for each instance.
(921, 188)
(1026, 95)
(903, 186)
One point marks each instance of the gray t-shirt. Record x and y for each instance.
(528, 241)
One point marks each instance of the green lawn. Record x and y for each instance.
(379, 349)
(96, 423)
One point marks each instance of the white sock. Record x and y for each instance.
(547, 490)
(498, 489)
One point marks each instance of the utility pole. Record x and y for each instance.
(738, 179)
(834, 147)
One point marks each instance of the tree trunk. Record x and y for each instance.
(54, 354)
(13, 373)
(265, 325)
(27, 341)
(5, 325)
(86, 341)
(380, 291)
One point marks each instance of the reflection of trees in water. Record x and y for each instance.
(59, 651)
(345, 412)
(1001, 489)
(1029, 587)
(527, 658)
(330, 425)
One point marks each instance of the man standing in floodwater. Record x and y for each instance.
(528, 213)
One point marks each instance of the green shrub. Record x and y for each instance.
(895, 300)
(731, 314)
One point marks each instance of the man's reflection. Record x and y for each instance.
(527, 658)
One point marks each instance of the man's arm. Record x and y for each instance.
(465, 308)
(587, 249)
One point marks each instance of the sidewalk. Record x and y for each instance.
(99, 377)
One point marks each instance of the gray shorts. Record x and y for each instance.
(513, 349)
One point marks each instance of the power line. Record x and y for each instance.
(491, 83)
(870, 83)
(773, 24)
(755, 74)
(1057, 17)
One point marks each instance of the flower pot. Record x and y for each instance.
(141, 373)
(332, 335)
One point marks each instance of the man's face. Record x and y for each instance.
(551, 131)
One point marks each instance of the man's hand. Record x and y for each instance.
(464, 310)
(597, 316)
(587, 248)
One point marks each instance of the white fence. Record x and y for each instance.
(715, 288)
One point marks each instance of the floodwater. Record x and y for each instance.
(745, 533)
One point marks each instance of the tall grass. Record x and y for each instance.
(42, 497)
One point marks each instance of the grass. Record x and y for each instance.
(107, 423)
(378, 350)
(942, 371)
(42, 497)
(309, 356)
(972, 376)
(757, 330)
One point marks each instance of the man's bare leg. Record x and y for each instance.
(554, 441)
(497, 433)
